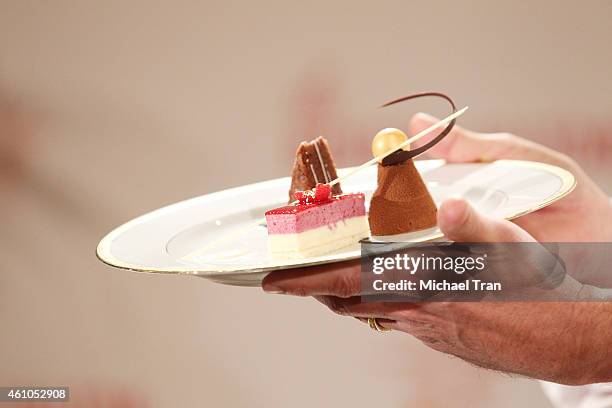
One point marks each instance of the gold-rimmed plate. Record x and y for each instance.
(222, 236)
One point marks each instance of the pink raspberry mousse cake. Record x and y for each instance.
(316, 224)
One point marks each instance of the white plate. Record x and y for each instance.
(220, 236)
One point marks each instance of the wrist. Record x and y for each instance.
(597, 365)
(603, 371)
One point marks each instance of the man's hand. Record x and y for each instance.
(584, 215)
(561, 342)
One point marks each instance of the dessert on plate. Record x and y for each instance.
(401, 202)
(313, 164)
(316, 224)
(323, 219)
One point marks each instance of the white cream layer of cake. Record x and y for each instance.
(319, 241)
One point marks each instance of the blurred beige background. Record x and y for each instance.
(111, 109)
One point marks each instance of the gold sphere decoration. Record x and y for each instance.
(388, 139)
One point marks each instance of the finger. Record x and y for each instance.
(389, 324)
(338, 279)
(386, 323)
(462, 145)
(410, 318)
(362, 319)
(366, 321)
(460, 222)
(431, 335)
(458, 145)
(354, 306)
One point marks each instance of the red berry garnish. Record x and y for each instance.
(323, 193)
(300, 196)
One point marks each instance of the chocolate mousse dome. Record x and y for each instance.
(401, 202)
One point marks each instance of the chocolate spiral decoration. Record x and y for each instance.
(402, 155)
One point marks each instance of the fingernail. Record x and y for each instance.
(426, 117)
(273, 290)
(421, 121)
(453, 212)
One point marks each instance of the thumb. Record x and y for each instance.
(460, 222)
(462, 145)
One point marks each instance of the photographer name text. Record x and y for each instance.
(435, 285)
